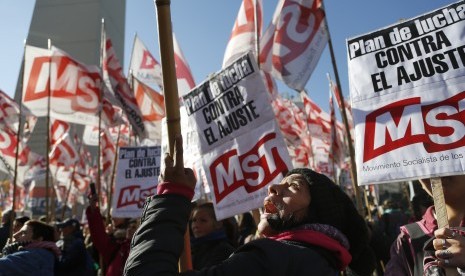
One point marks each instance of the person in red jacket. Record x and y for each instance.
(113, 251)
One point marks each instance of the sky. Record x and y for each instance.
(203, 27)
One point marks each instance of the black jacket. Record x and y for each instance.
(158, 242)
(210, 250)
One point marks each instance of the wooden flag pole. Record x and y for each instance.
(113, 173)
(18, 139)
(47, 169)
(68, 192)
(353, 168)
(439, 202)
(257, 35)
(170, 90)
(99, 150)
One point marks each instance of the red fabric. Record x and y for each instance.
(172, 188)
(114, 254)
(49, 245)
(318, 239)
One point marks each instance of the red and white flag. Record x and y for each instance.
(111, 114)
(183, 71)
(348, 109)
(119, 87)
(152, 106)
(9, 116)
(246, 30)
(30, 164)
(123, 131)
(62, 148)
(293, 43)
(74, 88)
(83, 170)
(108, 151)
(337, 143)
(319, 127)
(144, 66)
(293, 125)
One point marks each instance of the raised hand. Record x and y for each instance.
(174, 170)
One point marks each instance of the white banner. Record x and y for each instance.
(74, 87)
(192, 157)
(136, 179)
(407, 85)
(241, 146)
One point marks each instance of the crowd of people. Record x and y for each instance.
(308, 226)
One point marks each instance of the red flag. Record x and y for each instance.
(74, 87)
(62, 149)
(152, 106)
(244, 34)
(144, 66)
(183, 72)
(118, 84)
(348, 109)
(111, 115)
(108, 151)
(337, 145)
(291, 121)
(319, 127)
(9, 116)
(151, 103)
(294, 41)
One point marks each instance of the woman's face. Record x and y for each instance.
(24, 234)
(287, 204)
(203, 223)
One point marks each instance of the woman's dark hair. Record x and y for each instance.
(330, 205)
(22, 219)
(420, 201)
(41, 229)
(206, 206)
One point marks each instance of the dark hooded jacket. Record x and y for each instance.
(157, 244)
(211, 249)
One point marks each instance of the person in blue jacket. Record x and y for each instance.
(34, 251)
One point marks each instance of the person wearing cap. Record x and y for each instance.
(310, 227)
(34, 251)
(75, 259)
(19, 222)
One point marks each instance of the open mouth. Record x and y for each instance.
(270, 207)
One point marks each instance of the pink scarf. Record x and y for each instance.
(320, 239)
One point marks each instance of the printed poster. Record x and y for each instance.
(240, 143)
(407, 86)
(137, 174)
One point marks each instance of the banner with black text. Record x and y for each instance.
(407, 86)
(240, 143)
(136, 179)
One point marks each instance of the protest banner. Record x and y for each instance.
(407, 86)
(240, 143)
(192, 158)
(136, 179)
